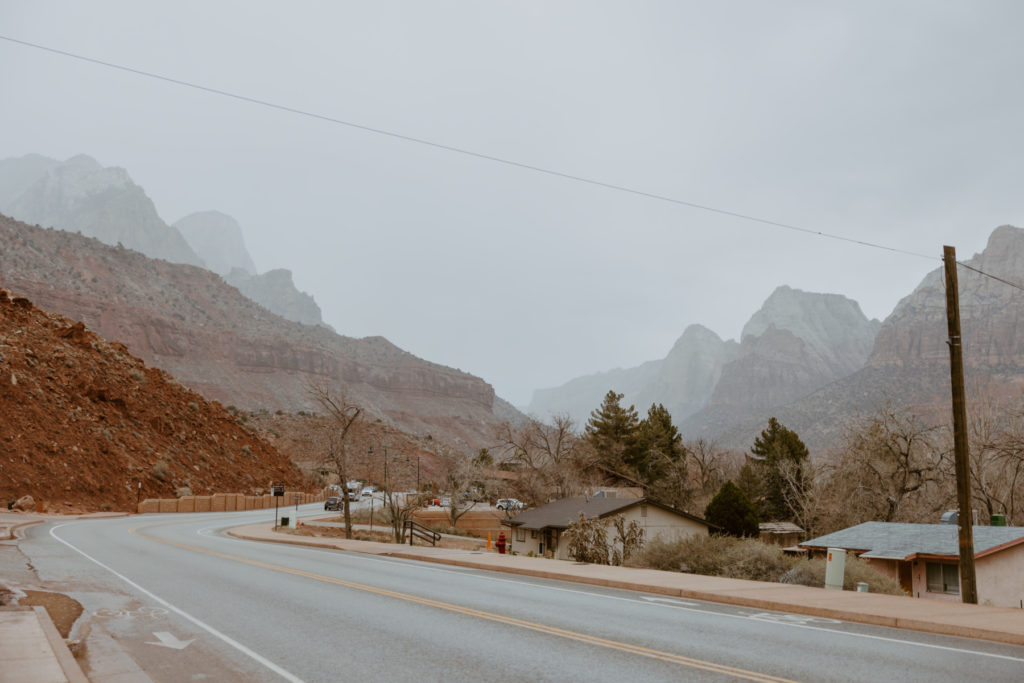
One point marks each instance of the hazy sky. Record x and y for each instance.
(900, 123)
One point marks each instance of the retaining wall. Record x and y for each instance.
(226, 502)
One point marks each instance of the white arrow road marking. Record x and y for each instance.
(669, 601)
(170, 640)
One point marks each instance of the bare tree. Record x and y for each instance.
(343, 417)
(997, 461)
(890, 467)
(549, 457)
(707, 466)
(458, 474)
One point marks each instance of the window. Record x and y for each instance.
(520, 534)
(943, 578)
(643, 510)
(533, 534)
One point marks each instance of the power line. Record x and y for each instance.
(989, 275)
(468, 152)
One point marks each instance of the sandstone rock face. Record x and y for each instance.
(991, 313)
(80, 195)
(795, 344)
(275, 291)
(217, 238)
(682, 381)
(189, 322)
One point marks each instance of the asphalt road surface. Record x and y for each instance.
(187, 603)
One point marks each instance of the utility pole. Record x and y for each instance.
(965, 517)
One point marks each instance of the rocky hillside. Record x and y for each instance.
(796, 343)
(189, 322)
(909, 363)
(80, 195)
(84, 421)
(217, 238)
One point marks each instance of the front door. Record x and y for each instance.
(907, 577)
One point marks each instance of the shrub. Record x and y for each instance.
(733, 511)
(160, 470)
(747, 558)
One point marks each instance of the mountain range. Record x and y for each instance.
(815, 361)
(80, 195)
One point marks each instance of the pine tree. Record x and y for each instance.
(733, 511)
(660, 458)
(780, 449)
(611, 430)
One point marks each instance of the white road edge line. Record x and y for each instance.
(287, 675)
(480, 574)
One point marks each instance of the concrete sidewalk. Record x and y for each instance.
(998, 624)
(32, 651)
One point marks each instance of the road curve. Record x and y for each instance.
(195, 603)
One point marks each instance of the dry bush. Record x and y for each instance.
(750, 559)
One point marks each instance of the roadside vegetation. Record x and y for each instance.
(748, 558)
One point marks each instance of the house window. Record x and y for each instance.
(533, 534)
(520, 534)
(943, 578)
(643, 510)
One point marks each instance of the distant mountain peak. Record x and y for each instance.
(218, 239)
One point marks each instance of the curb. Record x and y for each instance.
(11, 529)
(765, 603)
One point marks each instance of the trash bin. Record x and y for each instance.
(862, 587)
(285, 520)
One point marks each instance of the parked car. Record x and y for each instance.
(368, 491)
(353, 494)
(509, 504)
(333, 503)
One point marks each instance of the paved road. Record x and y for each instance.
(188, 603)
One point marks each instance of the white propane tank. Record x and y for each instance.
(835, 567)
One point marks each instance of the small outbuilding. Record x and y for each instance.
(925, 558)
(541, 530)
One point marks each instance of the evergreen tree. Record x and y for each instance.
(733, 511)
(660, 458)
(783, 457)
(611, 430)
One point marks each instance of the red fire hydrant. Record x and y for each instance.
(500, 543)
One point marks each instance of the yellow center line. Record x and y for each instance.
(489, 616)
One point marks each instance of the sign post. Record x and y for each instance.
(277, 490)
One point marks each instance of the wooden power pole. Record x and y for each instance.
(965, 516)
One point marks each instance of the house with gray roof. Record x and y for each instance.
(925, 558)
(542, 530)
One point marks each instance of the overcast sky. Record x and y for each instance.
(891, 122)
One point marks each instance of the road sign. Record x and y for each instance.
(277, 489)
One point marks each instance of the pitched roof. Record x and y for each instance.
(888, 540)
(560, 514)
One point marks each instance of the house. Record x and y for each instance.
(541, 530)
(925, 558)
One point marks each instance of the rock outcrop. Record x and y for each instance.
(80, 195)
(217, 238)
(276, 291)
